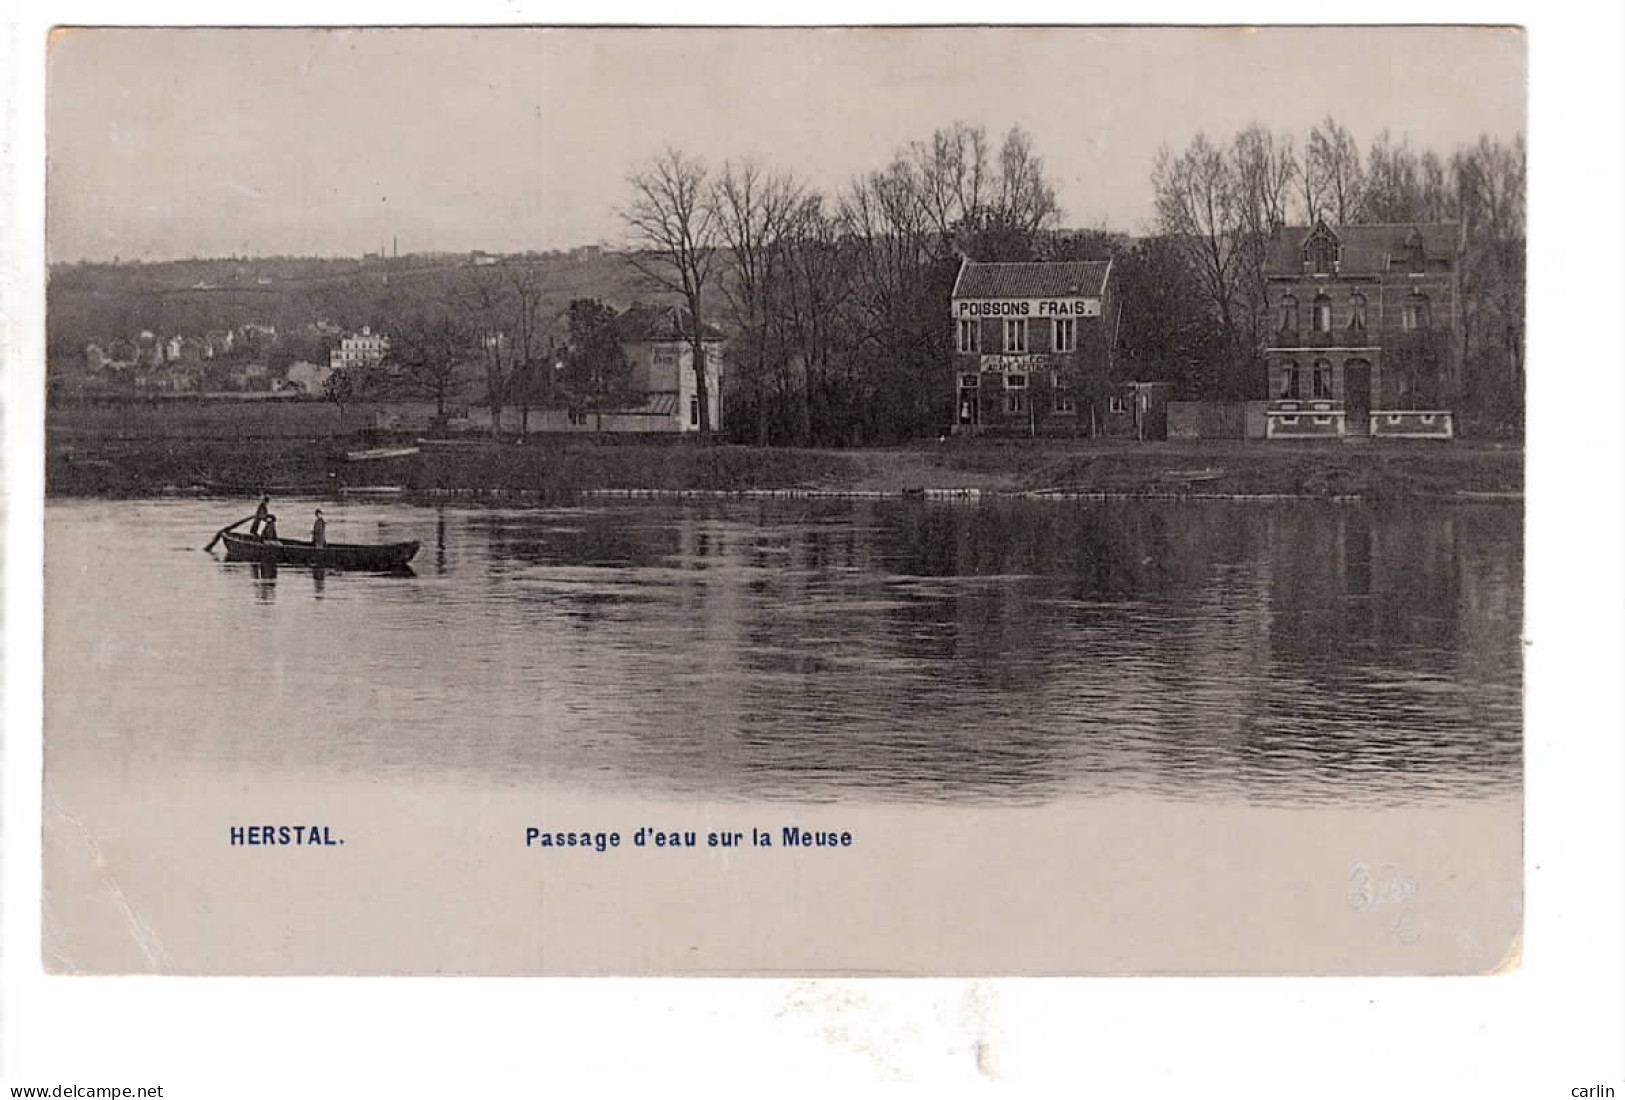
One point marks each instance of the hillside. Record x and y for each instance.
(102, 302)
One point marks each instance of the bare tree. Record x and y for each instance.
(1437, 204)
(427, 353)
(502, 306)
(955, 178)
(810, 306)
(755, 211)
(1263, 170)
(1335, 172)
(526, 338)
(674, 227)
(1393, 182)
(1198, 208)
(1027, 200)
(900, 278)
(1490, 185)
(484, 301)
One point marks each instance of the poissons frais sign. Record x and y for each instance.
(965, 308)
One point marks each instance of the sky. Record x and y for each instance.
(169, 143)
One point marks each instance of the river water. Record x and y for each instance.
(1068, 737)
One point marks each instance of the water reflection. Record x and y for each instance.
(264, 574)
(1004, 651)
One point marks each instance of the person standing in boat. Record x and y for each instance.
(260, 514)
(268, 530)
(318, 530)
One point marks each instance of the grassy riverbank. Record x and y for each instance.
(238, 447)
(558, 467)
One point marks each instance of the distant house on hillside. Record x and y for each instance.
(192, 350)
(256, 335)
(220, 341)
(1364, 330)
(149, 350)
(362, 349)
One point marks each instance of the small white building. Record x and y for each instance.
(362, 349)
(656, 341)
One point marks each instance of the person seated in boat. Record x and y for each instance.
(268, 529)
(260, 514)
(318, 530)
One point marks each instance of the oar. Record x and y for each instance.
(218, 535)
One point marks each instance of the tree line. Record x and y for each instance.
(837, 305)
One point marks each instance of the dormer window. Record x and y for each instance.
(1322, 251)
(1414, 252)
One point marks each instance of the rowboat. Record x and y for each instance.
(378, 557)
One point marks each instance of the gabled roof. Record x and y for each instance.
(1075, 278)
(1366, 248)
(643, 322)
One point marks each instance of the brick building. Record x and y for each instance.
(1363, 327)
(1032, 347)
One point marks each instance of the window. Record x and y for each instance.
(1015, 402)
(1323, 314)
(1414, 317)
(1290, 385)
(1060, 380)
(1015, 335)
(969, 335)
(1289, 313)
(1066, 334)
(1063, 403)
(694, 409)
(1323, 379)
(1117, 404)
(970, 381)
(1357, 312)
(665, 357)
(1415, 253)
(1322, 251)
(1015, 381)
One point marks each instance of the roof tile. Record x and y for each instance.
(1366, 248)
(1032, 280)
